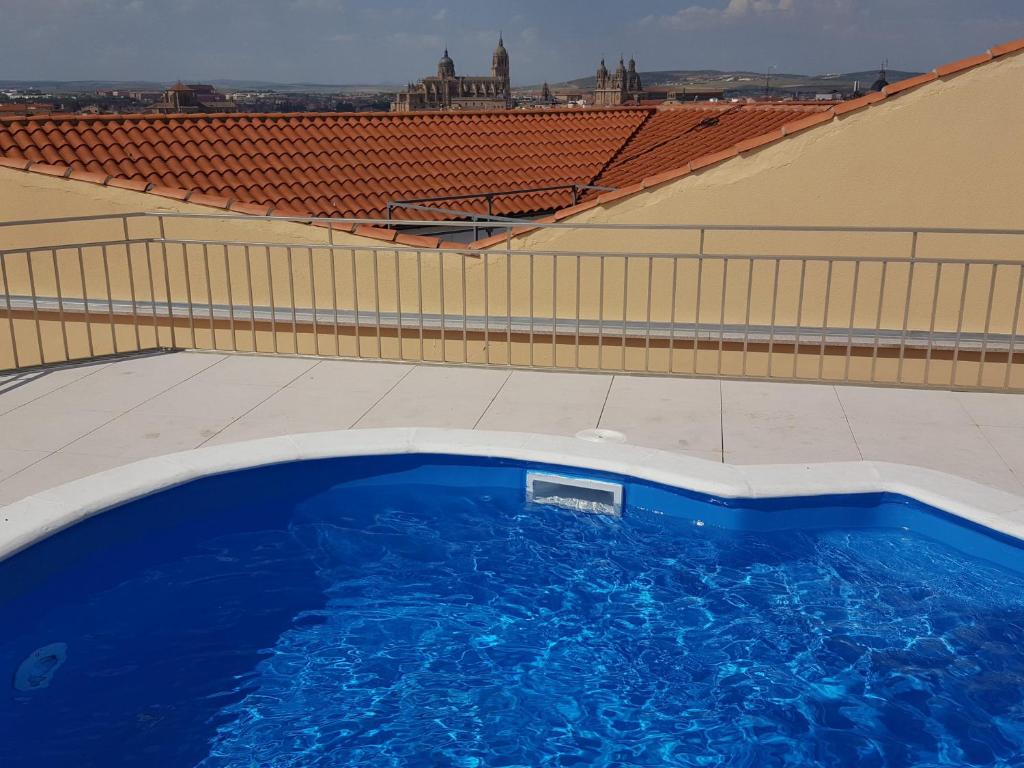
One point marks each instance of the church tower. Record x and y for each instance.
(446, 67)
(500, 68)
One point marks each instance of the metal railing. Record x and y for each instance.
(724, 303)
(413, 203)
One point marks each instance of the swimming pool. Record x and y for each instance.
(414, 608)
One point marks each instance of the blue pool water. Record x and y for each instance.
(414, 611)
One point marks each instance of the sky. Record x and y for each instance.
(397, 41)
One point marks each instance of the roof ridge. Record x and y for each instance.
(297, 116)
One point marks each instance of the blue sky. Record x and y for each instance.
(345, 41)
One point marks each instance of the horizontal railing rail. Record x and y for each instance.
(947, 317)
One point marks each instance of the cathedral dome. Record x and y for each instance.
(446, 67)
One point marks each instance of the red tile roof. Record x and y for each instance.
(340, 164)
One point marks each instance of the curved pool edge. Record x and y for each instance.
(36, 517)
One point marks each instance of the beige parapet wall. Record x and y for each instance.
(948, 154)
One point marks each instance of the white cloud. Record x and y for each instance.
(441, 15)
(703, 17)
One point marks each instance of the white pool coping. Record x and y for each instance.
(34, 518)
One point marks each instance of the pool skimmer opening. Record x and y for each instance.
(580, 494)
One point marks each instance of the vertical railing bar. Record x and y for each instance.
(650, 295)
(209, 297)
(376, 302)
(1013, 328)
(10, 313)
(231, 300)
(576, 352)
(110, 299)
(721, 318)
(398, 307)
(799, 316)
(905, 329)
(252, 300)
(419, 292)
(35, 305)
(696, 305)
(291, 297)
(853, 318)
(746, 322)
(960, 324)
(131, 285)
(167, 279)
(487, 308)
(312, 299)
(152, 293)
(531, 310)
(355, 307)
(771, 320)
(270, 297)
(988, 324)
(85, 302)
(332, 258)
(465, 311)
(188, 294)
(440, 288)
(508, 288)
(508, 304)
(600, 314)
(60, 304)
(554, 310)
(931, 324)
(878, 322)
(824, 322)
(625, 306)
(672, 317)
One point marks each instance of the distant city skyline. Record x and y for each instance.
(341, 41)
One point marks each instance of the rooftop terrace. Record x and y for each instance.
(61, 423)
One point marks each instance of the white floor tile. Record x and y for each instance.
(12, 460)
(20, 388)
(775, 398)
(263, 369)
(547, 403)
(203, 398)
(138, 435)
(1009, 443)
(991, 409)
(666, 413)
(55, 469)
(910, 406)
(39, 427)
(782, 438)
(437, 397)
(954, 448)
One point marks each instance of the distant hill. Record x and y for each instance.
(85, 86)
(713, 79)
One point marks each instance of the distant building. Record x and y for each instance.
(448, 91)
(195, 97)
(623, 87)
(26, 109)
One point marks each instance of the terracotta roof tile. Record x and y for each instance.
(677, 135)
(338, 164)
(960, 66)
